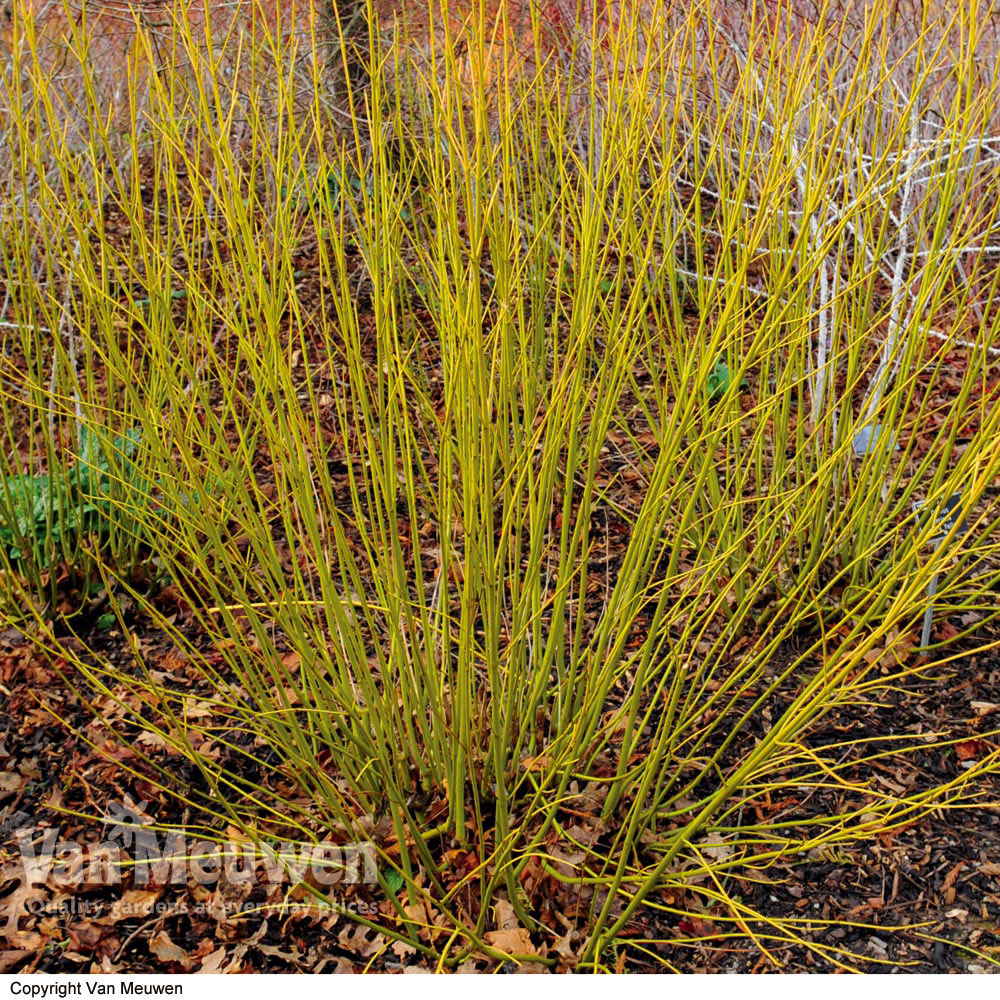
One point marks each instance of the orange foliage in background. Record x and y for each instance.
(560, 22)
(118, 18)
(111, 25)
(569, 33)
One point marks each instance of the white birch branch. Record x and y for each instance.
(876, 391)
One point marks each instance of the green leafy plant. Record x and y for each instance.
(720, 380)
(38, 512)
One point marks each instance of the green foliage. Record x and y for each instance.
(323, 190)
(39, 512)
(393, 881)
(720, 380)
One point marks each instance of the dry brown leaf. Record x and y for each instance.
(506, 917)
(566, 948)
(166, 951)
(212, 963)
(949, 879)
(133, 903)
(983, 707)
(155, 741)
(87, 935)
(510, 937)
(512, 942)
(532, 969)
(286, 956)
(970, 749)
(16, 906)
(354, 941)
(539, 763)
(402, 950)
(9, 960)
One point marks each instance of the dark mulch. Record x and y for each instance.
(937, 878)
